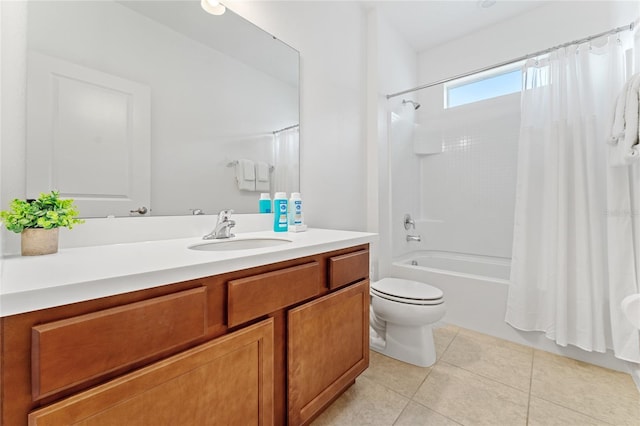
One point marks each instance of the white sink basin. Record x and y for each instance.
(240, 244)
(631, 308)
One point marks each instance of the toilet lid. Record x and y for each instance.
(406, 289)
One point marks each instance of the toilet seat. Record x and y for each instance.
(406, 291)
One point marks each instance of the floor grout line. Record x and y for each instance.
(575, 411)
(437, 412)
(401, 411)
(485, 377)
(533, 353)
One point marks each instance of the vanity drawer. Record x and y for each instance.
(74, 350)
(251, 297)
(348, 268)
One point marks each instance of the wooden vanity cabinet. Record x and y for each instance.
(274, 344)
(225, 381)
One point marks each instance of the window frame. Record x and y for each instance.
(480, 76)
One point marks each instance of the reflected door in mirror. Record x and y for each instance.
(88, 137)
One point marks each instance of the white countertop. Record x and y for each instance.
(78, 274)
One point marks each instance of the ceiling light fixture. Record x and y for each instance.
(213, 7)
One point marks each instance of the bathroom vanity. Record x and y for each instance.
(261, 336)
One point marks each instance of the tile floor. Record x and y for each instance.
(482, 380)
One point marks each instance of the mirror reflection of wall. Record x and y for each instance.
(205, 109)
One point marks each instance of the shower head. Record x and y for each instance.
(415, 104)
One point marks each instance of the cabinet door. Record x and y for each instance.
(328, 347)
(226, 381)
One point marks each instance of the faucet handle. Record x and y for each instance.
(408, 222)
(224, 215)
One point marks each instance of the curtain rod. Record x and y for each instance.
(286, 128)
(629, 27)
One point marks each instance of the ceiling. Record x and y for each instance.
(428, 23)
(229, 33)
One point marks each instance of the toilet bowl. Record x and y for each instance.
(402, 313)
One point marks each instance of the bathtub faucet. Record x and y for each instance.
(414, 238)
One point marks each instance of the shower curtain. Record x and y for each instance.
(559, 277)
(286, 158)
(623, 216)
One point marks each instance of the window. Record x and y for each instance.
(485, 85)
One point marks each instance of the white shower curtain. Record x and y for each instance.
(623, 225)
(623, 232)
(559, 272)
(286, 157)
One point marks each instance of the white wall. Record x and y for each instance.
(331, 39)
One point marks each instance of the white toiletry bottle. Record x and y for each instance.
(280, 220)
(295, 209)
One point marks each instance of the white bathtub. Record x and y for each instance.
(458, 263)
(475, 287)
(475, 290)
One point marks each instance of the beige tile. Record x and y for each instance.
(397, 375)
(364, 403)
(443, 335)
(418, 415)
(606, 395)
(495, 341)
(490, 357)
(545, 413)
(471, 399)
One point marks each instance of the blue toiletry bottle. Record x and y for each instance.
(265, 203)
(295, 209)
(280, 219)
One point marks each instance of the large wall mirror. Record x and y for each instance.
(158, 106)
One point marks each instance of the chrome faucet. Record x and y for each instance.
(223, 226)
(414, 238)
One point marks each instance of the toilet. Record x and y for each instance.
(402, 313)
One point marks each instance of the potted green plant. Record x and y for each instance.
(38, 221)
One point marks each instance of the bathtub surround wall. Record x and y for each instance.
(467, 190)
(394, 68)
(405, 180)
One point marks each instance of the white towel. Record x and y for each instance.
(262, 176)
(625, 129)
(246, 175)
